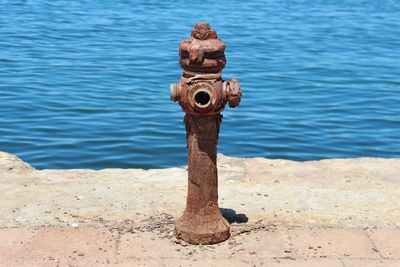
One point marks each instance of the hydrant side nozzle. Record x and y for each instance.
(232, 92)
(174, 91)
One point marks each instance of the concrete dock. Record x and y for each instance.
(336, 212)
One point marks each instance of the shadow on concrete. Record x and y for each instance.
(232, 217)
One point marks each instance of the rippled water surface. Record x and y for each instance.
(85, 84)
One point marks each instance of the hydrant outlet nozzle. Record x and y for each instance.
(232, 92)
(202, 97)
(174, 94)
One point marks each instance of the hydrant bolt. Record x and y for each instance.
(203, 94)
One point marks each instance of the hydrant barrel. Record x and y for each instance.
(203, 94)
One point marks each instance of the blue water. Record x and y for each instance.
(85, 84)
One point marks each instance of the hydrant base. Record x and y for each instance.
(190, 230)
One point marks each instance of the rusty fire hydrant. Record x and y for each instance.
(202, 94)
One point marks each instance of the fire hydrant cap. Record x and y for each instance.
(203, 52)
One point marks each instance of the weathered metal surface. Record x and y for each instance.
(203, 94)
